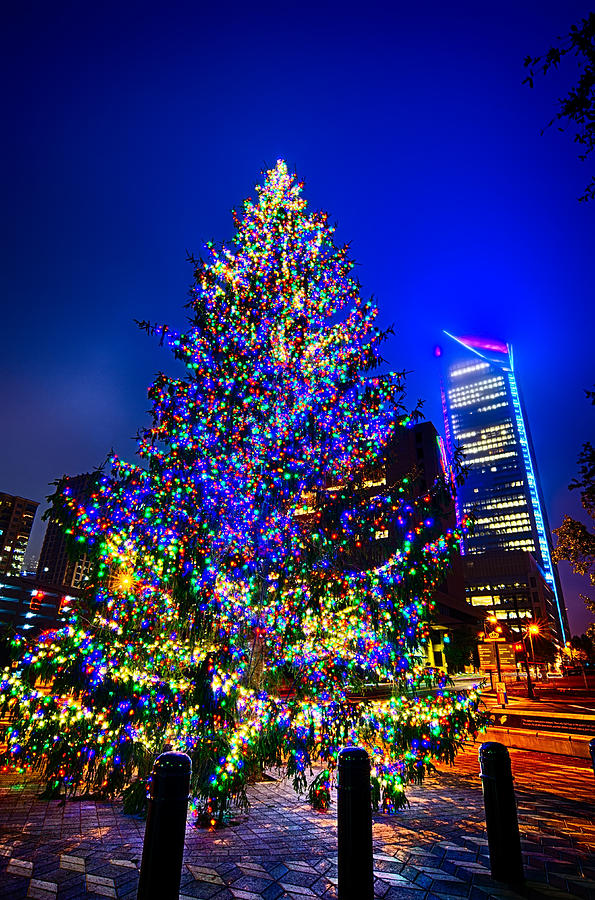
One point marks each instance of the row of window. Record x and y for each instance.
(524, 611)
(476, 367)
(516, 519)
(502, 503)
(477, 385)
(472, 399)
(486, 445)
(519, 545)
(495, 492)
(490, 407)
(489, 429)
(490, 587)
(492, 457)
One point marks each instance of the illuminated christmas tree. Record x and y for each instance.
(242, 609)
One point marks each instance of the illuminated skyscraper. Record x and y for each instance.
(16, 521)
(484, 416)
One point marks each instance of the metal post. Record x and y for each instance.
(592, 752)
(354, 823)
(519, 629)
(502, 825)
(163, 848)
(498, 666)
(530, 689)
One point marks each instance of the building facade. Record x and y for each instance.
(414, 458)
(55, 563)
(484, 417)
(510, 585)
(420, 450)
(16, 520)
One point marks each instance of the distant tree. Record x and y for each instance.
(578, 106)
(583, 645)
(576, 543)
(543, 650)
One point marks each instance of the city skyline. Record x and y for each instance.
(498, 356)
(413, 131)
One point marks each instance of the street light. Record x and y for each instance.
(532, 629)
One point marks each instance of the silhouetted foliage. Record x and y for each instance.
(578, 106)
(576, 543)
(583, 644)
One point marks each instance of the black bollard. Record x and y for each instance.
(354, 825)
(163, 847)
(502, 825)
(592, 752)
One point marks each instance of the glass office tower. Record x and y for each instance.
(16, 520)
(483, 415)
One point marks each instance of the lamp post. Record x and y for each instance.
(493, 634)
(530, 691)
(532, 629)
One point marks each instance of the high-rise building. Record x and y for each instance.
(55, 563)
(484, 417)
(510, 585)
(16, 521)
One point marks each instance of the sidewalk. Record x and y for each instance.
(436, 850)
(548, 726)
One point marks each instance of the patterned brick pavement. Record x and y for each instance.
(436, 850)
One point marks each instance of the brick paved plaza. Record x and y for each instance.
(283, 849)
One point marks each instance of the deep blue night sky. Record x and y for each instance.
(131, 130)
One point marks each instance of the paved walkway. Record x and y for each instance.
(436, 850)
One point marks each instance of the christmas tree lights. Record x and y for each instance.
(243, 608)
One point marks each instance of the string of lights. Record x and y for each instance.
(237, 611)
